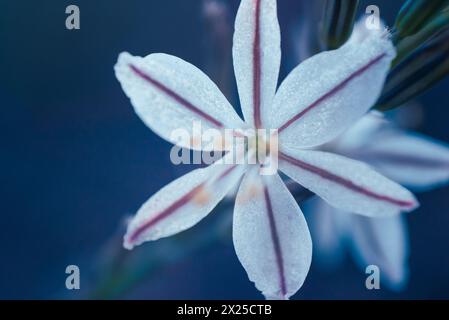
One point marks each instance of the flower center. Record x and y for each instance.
(262, 146)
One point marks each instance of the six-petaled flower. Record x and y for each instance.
(320, 98)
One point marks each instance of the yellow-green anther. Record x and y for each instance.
(415, 14)
(338, 22)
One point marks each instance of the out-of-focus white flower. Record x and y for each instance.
(318, 100)
(411, 159)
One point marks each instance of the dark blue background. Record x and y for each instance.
(76, 160)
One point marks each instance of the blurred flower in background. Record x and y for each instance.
(412, 160)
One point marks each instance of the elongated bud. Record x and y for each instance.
(437, 25)
(417, 73)
(338, 22)
(415, 14)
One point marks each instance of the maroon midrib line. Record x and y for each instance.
(175, 206)
(344, 182)
(226, 172)
(165, 213)
(175, 96)
(405, 160)
(257, 68)
(334, 91)
(276, 242)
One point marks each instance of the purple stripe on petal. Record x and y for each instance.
(406, 160)
(185, 199)
(344, 182)
(257, 68)
(276, 243)
(175, 96)
(334, 91)
(165, 213)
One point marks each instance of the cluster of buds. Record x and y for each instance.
(421, 37)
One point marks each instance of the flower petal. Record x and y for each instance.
(170, 94)
(368, 129)
(328, 228)
(346, 184)
(257, 57)
(361, 32)
(271, 237)
(182, 203)
(328, 92)
(411, 159)
(382, 242)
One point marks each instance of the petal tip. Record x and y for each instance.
(378, 37)
(122, 58)
(276, 296)
(125, 55)
(127, 243)
(410, 204)
(414, 204)
(130, 239)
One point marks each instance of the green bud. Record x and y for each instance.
(338, 22)
(406, 46)
(415, 14)
(417, 73)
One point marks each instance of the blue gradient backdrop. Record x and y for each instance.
(76, 160)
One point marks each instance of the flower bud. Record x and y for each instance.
(337, 23)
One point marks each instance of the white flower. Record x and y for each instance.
(318, 100)
(413, 160)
